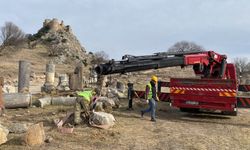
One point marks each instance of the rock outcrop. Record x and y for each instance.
(102, 120)
(35, 135)
(18, 128)
(62, 44)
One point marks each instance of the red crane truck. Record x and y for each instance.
(215, 89)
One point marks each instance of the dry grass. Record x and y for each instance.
(37, 57)
(173, 130)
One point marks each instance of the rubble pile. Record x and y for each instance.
(105, 104)
(115, 88)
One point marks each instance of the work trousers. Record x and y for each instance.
(130, 97)
(81, 105)
(152, 108)
(130, 103)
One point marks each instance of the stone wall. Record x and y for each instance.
(55, 25)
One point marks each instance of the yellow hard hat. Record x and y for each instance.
(154, 78)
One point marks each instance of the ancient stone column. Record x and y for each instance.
(50, 74)
(50, 78)
(73, 81)
(76, 79)
(17, 100)
(79, 74)
(63, 82)
(23, 76)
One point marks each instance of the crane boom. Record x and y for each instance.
(207, 64)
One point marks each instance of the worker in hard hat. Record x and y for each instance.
(151, 96)
(131, 93)
(82, 104)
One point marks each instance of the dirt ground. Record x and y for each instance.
(173, 130)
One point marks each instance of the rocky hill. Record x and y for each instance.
(60, 41)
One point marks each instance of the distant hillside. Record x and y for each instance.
(37, 57)
(53, 42)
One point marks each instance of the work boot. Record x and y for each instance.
(153, 120)
(130, 109)
(142, 113)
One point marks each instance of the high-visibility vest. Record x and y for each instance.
(86, 95)
(150, 93)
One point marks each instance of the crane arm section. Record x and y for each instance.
(207, 64)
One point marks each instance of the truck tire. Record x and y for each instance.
(230, 113)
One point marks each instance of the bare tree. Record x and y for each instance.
(242, 65)
(184, 46)
(100, 57)
(11, 35)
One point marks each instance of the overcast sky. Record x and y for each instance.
(140, 27)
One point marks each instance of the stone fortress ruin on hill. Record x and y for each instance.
(60, 41)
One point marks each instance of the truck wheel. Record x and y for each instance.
(234, 113)
(230, 113)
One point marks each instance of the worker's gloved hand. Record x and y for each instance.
(144, 101)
